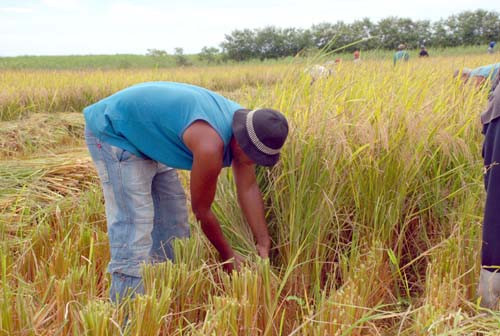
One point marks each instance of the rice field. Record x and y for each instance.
(374, 210)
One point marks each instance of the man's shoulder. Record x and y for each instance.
(202, 134)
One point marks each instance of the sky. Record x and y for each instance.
(69, 27)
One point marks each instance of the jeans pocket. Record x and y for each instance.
(128, 156)
(123, 155)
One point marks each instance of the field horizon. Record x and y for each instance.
(144, 61)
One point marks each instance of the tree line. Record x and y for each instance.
(464, 29)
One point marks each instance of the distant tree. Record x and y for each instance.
(296, 40)
(160, 57)
(363, 30)
(333, 36)
(156, 53)
(466, 28)
(443, 35)
(422, 33)
(209, 54)
(476, 27)
(322, 34)
(387, 32)
(180, 58)
(392, 31)
(269, 42)
(490, 27)
(240, 45)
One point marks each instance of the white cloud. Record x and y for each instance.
(16, 10)
(62, 4)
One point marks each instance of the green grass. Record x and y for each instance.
(121, 61)
(125, 61)
(108, 62)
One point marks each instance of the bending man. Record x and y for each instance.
(137, 137)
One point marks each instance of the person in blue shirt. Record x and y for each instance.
(401, 54)
(478, 75)
(491, 47)
(137, 139)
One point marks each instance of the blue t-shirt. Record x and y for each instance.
(149, 120)
(400, 55)
(487, 71)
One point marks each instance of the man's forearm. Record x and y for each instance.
(250, 200)
(253, 209)
(211, 227)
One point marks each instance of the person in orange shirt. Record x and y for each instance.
(357, 55)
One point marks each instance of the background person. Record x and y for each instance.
(491, 47)
(137, 137)
(401, 54)
(357, 55)
(423, 52)
(317, 72)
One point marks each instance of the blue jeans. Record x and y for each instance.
(145, 211)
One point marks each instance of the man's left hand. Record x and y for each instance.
(263, 251)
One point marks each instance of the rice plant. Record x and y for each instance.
(374, 210)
